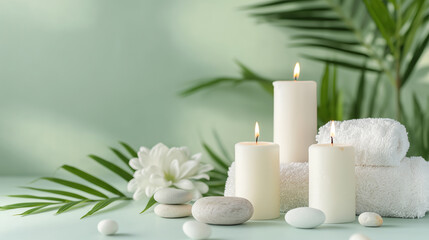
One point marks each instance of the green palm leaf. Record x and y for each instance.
(32, 211)
(129, 149)
(70, 205)
(332, 46)
(58, 192)
(357, 107)
(112, 167)
(26, 205)
(122, 157)
(100, 205)
(381, 16)
(94, 180)
(342, 62)
(208, 84)
(216, 159)
(149, 204)
(275, 3)
(76, 185)
(222, 147)
(415, 58)
(324, 39)
(415, 24)
(62, 204)
(247, 75)
(40, 197)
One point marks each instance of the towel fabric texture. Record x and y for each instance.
(377, 141)
(401, 191)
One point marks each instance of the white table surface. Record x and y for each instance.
(133, 225)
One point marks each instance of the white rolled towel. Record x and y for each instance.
(377, 141)
(401, 191)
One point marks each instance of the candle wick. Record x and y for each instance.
(332, 140)
(295, 78)
(257, 138)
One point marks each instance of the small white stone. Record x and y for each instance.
(172, 196)
(305, 217)
(173, 211)
(222, 210)
(370, 219)
(358, 236)
(197, 230)
(107, 227)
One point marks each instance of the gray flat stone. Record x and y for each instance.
(222, 210)
(172, 196)
(173, 211)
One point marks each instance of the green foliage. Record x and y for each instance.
(246, 76)
(330, 105)
(219, 175)
(71, 200)
(350, 28)
(388, 37)
(380, 40)
(68, 200)
(149, 204)
(114, 168)
(419, 130)
(102, 204)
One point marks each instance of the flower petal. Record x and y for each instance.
(197, 156)
(139, 194)
(205, 168)
(135, 164)
(132, 185)
(201, 187)
(188, 168)
(158, 154)
(196, 195)
(150, 190)
(199, 176)
(144, 150)
(176, 153)
(184, 184)
(174, 170)
(145, 160)
(157, 180)
(185, 151)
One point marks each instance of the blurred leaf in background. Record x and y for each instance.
(386, 37)
(381, 41)
(418, 130)
(330, 98)
(247, 76)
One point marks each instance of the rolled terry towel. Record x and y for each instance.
(293, 185)
(377, 141)
(401, 191)
(394, 191)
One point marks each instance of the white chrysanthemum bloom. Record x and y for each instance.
(162, 167)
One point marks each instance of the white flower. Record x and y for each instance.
(161, 167)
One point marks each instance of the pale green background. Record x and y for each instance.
(78, 75)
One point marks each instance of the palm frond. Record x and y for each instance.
(62, 205)
(330, 101)
(247, 75)
(92, 179)
(112, 167)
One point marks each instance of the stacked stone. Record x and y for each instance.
(173, 203)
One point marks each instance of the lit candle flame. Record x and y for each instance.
(332, 132)
(256, 132)
(296, 71)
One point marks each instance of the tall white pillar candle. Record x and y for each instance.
(257, 177)
(295, 117)
(332, 181)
